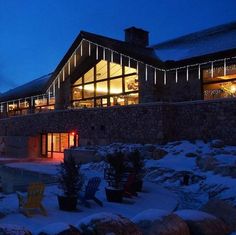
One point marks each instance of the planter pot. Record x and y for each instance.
(67, 203)
(114, 195)
(139, 186)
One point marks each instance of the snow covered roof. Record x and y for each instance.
(206, 42)
(35, 87)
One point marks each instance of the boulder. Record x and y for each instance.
(58, 229)
(191, 155)
(222, 210)
(107, 223)
(217, 144)
(160, 222)
(159, 153)
(6, 229)
(206, 163)
(202, 223)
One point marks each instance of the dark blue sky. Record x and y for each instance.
(35, 34)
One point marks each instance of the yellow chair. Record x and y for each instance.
(33, 200)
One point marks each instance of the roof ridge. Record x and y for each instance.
(198, 34)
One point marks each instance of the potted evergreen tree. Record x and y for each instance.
(137, 165)
(114, 174)
(70, 181)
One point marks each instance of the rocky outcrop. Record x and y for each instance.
(59, 229)
(159, 222)
(107, 223)
(222, 210)
(201, 223)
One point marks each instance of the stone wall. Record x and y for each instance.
(143, 123)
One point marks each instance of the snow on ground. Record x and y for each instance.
(163, 184)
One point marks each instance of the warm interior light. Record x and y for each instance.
(233, 89)
(72, 133)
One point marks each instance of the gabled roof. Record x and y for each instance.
(205, 42)
(144, 54)
(35, 87)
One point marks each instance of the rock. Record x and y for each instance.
(217, 144)
(226, 171)
(160, 222)
(107, 223)
(159, 153)
(170, 225)
(191, 155)
(222, 210)
(149, 147)
(201, 223)
(206, 163)
(59, 229)
(8, 229)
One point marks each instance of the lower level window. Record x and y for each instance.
(114, 100)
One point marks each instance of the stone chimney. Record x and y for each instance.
(137, 36)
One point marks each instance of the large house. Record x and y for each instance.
(100, 75)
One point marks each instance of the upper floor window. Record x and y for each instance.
(106, 84)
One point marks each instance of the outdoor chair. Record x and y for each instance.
(32, 201)
(90, 190)
(129, 186)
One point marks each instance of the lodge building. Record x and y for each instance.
(105, 76)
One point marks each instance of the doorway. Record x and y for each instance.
(54, 144)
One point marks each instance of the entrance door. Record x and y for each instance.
(55, 143)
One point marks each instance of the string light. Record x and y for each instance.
(112, 56)
(165, 77)
(81, 49)
(146, 72)
(75, 59)
(225, 68)
(212, 69)
(129, 59)
(187, 74)
(155, 76)
(104, 54)
(89, 46)
(199, 71)
(96, 52)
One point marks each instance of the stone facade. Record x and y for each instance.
(143, 123)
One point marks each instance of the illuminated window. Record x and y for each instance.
(89, 76)
(131, 83)
(89, 90)
(101, 89)
(119, 86)
(101, 70)
(116, 86)
(216, 85)
(115, 70)
(77, 92)
(129, 70)
(79, 81)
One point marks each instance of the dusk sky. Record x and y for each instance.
(35, 34)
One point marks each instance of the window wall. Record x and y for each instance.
(106, 84)
(219, 82)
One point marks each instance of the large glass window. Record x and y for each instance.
(219, 82)
(101, 70)
(106, 84)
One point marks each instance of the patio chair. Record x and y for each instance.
(89, 193)
(32, 201)
(129, 186)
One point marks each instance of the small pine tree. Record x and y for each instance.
(70, 178)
